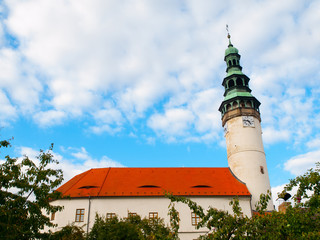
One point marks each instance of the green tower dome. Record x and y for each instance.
(231, 49)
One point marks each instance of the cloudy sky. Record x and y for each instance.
(138, 83)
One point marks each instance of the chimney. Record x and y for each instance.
(283, 207)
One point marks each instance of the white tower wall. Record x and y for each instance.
(246, 157)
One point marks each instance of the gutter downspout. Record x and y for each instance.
(88, 215)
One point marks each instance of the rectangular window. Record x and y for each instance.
(195, 219)
(153, 215)
(131, 214)
(79, 215)
(53, 216)
(111, 215)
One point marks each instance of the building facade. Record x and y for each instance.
(124, 191)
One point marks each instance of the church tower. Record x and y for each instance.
(241, 122)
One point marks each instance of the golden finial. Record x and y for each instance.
(227, 28)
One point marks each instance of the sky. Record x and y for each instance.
(138, 83)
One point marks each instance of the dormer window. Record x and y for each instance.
(88, 187)
(201, 186)
(149, 186)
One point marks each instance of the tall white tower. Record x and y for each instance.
(241, 121)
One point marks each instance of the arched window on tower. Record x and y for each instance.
(242, 104)
(231, 83)
(248, 104)
(228, 107)
(239, 82)
(234, 104)
(229, 63)
(246, 82)
(234, 62)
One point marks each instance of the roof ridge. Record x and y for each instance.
(109, 169)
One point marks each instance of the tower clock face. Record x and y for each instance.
(247, 121)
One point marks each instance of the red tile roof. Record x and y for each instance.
(102, 182)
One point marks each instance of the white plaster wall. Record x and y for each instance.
(142, 206)
(246, 155)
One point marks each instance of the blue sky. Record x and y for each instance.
(138, 83)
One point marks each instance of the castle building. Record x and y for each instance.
(125, 191)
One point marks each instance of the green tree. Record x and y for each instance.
(26, 189)
(301, 221)
(69, 232)
(131, 228)
(308, 188)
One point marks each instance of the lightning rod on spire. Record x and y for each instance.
(227, 28)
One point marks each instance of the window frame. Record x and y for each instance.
(80, 215)
(53, 216)
(195, 219)
(153, 215)
(110, 215)
(132, 214)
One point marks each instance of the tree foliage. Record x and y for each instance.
(26, 189)
(308, 188)
(301, 221)
(69, 232)
(132, 228)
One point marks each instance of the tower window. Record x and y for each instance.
(239, 82)
(242, 104)
(246, 82)
(261, 169)
(234, 62)
(231, 83)
(235, 104)
(229, 63)
(228, 107)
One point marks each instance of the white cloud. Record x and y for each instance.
(271, 135)
(18, 81)
(278, 189)
(49, 118)
(174, 122)
(274, 191)
(7, 111)
(314, 143)
(81, 160)
(301, 163)
(149, 58)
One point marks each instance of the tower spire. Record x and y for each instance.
(237, 96)
(229, 37)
